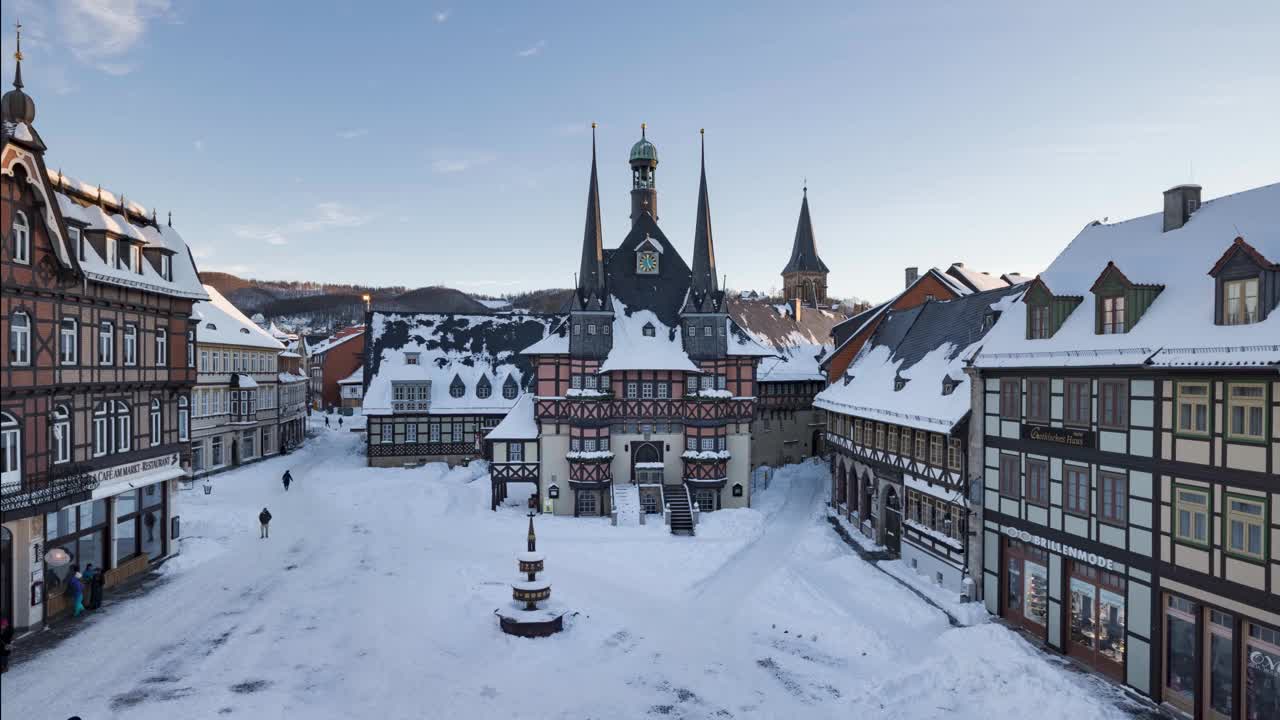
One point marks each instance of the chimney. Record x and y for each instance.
(796, 304)
(913, 274)
(1179, 203)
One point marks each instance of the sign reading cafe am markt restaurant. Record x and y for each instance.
(123, 472)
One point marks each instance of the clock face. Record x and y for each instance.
(647, 263)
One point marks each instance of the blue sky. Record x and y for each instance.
(417, 143)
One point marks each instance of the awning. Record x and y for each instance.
(122, 478)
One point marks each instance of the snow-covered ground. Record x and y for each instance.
(374, 598)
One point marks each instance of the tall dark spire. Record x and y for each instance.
(703, 287)
(17, 55)
(804, 251)
(591, 269)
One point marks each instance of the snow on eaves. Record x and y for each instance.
(355, 378)
(1178, 329)
(221, 323)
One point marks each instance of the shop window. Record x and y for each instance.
(216, 458)
(1180, 666)
(1262, 673)
(1246, 527)
(1076, 501)
(1035, 593)
(1113, 408)
(1246, 412)
(197, 458)
(126, 527)
(1037, 481)
(1010, 399)
(1113, 497)
(1010, 482)
(1038, 400)
(1221, 661)
(1077, 402)
(1193, 409)
(1097, 622)
(706, 499)
(1191, 515)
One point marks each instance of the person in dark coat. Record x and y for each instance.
(326, 421)
(264, 517)
(6, 637)
(96, 586)
(339, 422)
(286, 480)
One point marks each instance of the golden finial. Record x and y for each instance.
(17, 53)
(702, 131)
(642, 127)
(593, 126)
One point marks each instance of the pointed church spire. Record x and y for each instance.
(17, 55)
(591, 270)
(804, 251)
(703, 287)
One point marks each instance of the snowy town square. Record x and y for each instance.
(875, 360)
(376, 589)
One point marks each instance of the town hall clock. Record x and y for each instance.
(647, 263)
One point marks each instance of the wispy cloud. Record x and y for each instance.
(535, 49)
(353, 133)
(102, 33)
(324, 216)
(199, 144)
(461, 162)
(443, 16)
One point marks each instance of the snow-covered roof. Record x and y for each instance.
(355, 378)
(798, 363)
(285, 377)
(245, 381)
(222, 323)
(1177, 329)
(518, 423)
(445, 347)
(634, 350)
(924, 346)
(79, 206)
(333, 342)
(791, 350)
(556, 342)
(975, 279)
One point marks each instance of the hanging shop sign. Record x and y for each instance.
(1060, 548)
(1058, 436)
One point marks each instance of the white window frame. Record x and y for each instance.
(61, 424)
(162, 347)
(68, 341)
(20, 339)
(10, 449)
(1242, 313)
(123, 427)
(21, 238)
(101, 430)
(157, 422)
(130, 345)
(106, 343)
(515, 452)
(184, 418)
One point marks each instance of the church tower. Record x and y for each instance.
(703, 315)
(592, 312)
(805, 276)
(644, 171)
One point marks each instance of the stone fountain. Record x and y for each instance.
(523, 617)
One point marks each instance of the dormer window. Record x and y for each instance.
(1038, 322)
(166, 266)
(948, 385)
(899, 383)
(457, 388)
(1240, 301)
(649, 330)
(1112, 315)
(411, 358)
(484, 388)
(1045, 311)
(510, 389)
(989, 319)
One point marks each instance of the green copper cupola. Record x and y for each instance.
(644, 169)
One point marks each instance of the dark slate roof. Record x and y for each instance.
(591, 290)
(915, 333)
(663, 293)
(704, 292)
(804, 251)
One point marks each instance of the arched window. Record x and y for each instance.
(510, 389)
(61, 424)
(184, 418)
(484, 388)
(457, 388)
(156, 434)
(21, 238)
(101, 430)
(20, 339)
(10, 449)
(123, 427)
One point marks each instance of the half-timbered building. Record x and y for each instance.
(96, 368)
(435, 384)
(646, 390)
(897, 425)
(1130, 440)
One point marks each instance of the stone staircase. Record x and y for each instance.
(626, 501)
(681, 519)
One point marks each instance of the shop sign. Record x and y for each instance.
(1058, 436)
(122, 471)
(1061, 549)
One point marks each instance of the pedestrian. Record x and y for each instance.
(339, 421)
(326, 421)
(286, 480)
(90, 573)
(6, 637)
(264, 517)
(96, 586)
(75, 586)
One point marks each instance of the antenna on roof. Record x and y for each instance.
(170, 218)
(99, 194)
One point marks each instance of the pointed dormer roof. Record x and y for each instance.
(703, 288)
(591, 269)
(804, 252)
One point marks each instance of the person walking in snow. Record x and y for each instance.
(89, 575)
(264, 518)
(96, 584)
(75, 586)
(339, 421)
(286, 480)
(326, 421)
(6, 637)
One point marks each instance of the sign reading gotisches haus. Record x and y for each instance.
(1058, 436)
